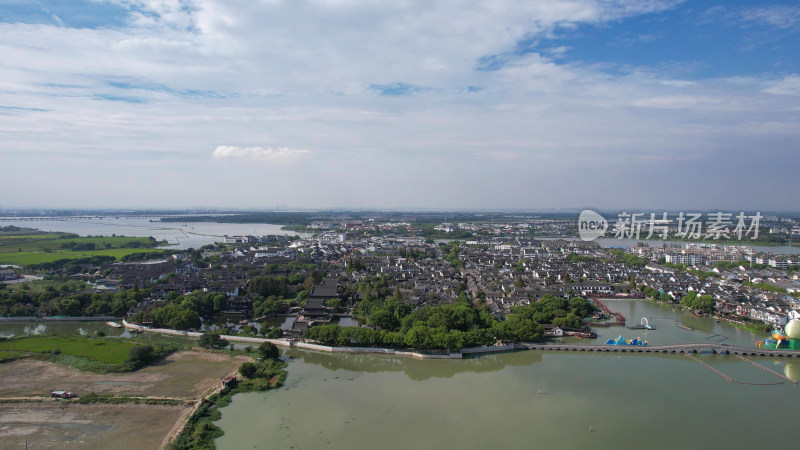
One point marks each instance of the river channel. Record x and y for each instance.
(178, 235)
(528, 399)
(525, 399)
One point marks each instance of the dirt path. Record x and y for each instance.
(186, 376)
(181, 423)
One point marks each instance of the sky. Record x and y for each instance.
(613, 104)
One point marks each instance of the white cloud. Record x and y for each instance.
(282, 154)
(782, 17)
(778, 16)
(789, 85)
(144, 96)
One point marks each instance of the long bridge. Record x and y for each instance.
(699, 347)
(73, 218)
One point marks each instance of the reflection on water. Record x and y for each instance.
(415, 369)
(791, 369)
(511, 400)
(9, 329)
(672, 325)
(525, 399)
(35, 329)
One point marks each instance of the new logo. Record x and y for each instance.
(591, 225)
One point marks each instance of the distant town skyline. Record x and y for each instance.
(640, 104)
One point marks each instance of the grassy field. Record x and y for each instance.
(39, 286)
(107, 352)
(8, 356)
(23, 236)
(28, 249)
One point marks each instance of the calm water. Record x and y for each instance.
(197, 234)
(629, 400)
(9, 329)
(668, 323)
(181, 235)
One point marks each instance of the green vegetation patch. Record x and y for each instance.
(759, 328)
(120, 399)
(101, 350)
(765, 287)
(8, 356)
(59, 285)
(29, 249)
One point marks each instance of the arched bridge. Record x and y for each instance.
(699, 347)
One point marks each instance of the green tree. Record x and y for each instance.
(212, 340)
(268, 350)
(141, 354)
(334, 304)
(271, 308)
(419, 336)
(248, 369)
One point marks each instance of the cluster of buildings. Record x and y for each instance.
(8, 274)
(501, 270)
(709, 254)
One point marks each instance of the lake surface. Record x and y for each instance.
(629, 400)
(180, 235)
(670, 325)
(196, 234)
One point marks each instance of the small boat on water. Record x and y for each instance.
(114, 324)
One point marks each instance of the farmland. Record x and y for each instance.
(34, 248)
(53, 425)
(183, 377)
(185, 374)
(104, 351)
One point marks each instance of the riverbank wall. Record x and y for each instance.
(59, 319)
(329, 349)
(715, 348)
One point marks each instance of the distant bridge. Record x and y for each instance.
(73, 218)
(699, 347)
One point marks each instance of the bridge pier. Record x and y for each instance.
(695, 348)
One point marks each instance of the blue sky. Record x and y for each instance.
(363, 103)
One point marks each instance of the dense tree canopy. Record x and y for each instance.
(60, 299)
(269, 286)
(703, 303)
(268, 350)
(557, 310)
(212, 340)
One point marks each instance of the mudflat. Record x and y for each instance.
(53, 424)
(181, 375)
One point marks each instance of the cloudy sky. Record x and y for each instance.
(404, 104)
